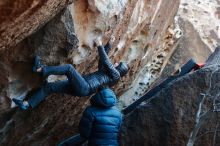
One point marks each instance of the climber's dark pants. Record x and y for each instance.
(75, 85)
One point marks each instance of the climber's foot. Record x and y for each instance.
(37, 67)
(21, 104)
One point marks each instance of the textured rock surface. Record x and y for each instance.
(136, 25)
(204, 16)
(19, 18)
(149, 51)
(52, 43)
(184, 113)
(145, 38)
(190, 46)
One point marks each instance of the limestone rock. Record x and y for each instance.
(107, 8)
(204, 16)
(184, 113)
(52, 43)
(20, 19)
(143, 40)
(190, 46)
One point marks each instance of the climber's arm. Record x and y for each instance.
(104, 59)
(107, 47)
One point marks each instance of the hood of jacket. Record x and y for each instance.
(104, 98)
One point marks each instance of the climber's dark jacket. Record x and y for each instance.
(100, 123)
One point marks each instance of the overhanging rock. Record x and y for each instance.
(20, 19)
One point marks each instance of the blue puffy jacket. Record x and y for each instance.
(101, 121)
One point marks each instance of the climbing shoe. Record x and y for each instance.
(37, 64)
(20, 104)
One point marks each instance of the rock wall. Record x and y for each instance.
(204, 16)
(145, 38)
(186, 112)
(190, 46)
(20, 19)
(52, 43)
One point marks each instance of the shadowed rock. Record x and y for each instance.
(184, 113)
(140, 28)
(20, 19)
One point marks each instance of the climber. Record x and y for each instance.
(77, 84)
(100, 123)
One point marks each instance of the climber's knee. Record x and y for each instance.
(49, 88)
(70, 69)
(69, 66)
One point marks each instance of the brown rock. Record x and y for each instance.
(190, 46)
(140, 28)
(184, 113)
(20, 19)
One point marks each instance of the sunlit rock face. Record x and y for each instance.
(145, 38)
(190, 46)
(185, 113)
(147, 63)
(19, 19)
(205, 18)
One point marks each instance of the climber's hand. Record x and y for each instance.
(98, 41)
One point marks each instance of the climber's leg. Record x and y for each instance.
(65, 69)
(76, 80)
(78, 84)
(47, 89)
